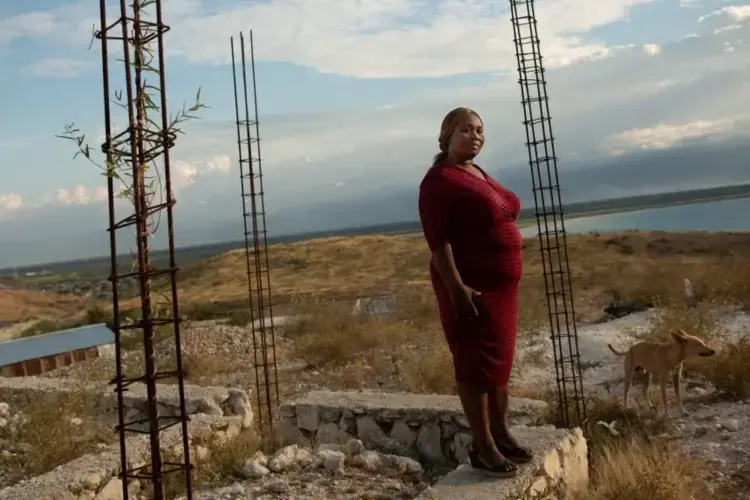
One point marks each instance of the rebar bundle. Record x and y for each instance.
(256, 245)
(137, 157)
(540, 144)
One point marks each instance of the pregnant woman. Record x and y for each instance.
(468, 221)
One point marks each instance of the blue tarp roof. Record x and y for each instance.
(51, 344)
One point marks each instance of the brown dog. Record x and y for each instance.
(662, 360)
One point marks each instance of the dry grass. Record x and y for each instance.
(701, 321)
(24, 305)
(353, 349)
(630, 265)
(728, 370)
(630, 465)
(49, 430)
(638, 470)
(216, 461)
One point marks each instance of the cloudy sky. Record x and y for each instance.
(351, 94)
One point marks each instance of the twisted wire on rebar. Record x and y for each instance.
(540, 144)
(131, 153)
(256, 242)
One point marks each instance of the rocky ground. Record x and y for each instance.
(331, 471)
(6, 437)
(602, 370)
(216, 353)
(718, 434)
(715, 432)
(73, 435)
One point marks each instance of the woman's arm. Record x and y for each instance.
(435, 212)
(442, 258)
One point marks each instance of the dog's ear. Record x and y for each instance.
(678, 336)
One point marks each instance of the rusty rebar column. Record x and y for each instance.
(540, 143)
(256, 243)
(139, 159)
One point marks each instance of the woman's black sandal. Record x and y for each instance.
(504, 469)
(517, 454)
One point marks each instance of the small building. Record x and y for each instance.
(44, 353)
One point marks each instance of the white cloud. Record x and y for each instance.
(32, 24)
(79, 195)
(651, 49)
(667, 135)
(187, 172)
(389, 38)
(728, 27)
(627, 101)
(62, 67)
(100, 194)
(218, 164)
(737, 13)
(10, 202)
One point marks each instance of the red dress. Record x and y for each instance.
(477, 217)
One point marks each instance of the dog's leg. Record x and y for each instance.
(629, 373)
(676, 380)
(646, 387)
(663, 384)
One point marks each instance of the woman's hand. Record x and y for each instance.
(462, 299)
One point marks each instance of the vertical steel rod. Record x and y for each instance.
(263, 215)
(143, 147)
(258, 271)
(548, 204)
(115, 325)
(256, 365)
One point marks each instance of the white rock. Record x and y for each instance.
(403, 465)
(284, 459)
(92, 481)
(260, 458)
(368, 460)
(232, 489)
(254, 470)
(4, 409)
(304, 457)
(111, 491)
(354, 447)
(239, 404)
(332, 460)
(329, 447)
(731, 425)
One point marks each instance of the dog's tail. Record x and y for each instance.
(616, 351)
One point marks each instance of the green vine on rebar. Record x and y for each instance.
(117, 163)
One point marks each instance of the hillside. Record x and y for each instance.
(605, 268)
(21, 305)
(628, 265)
